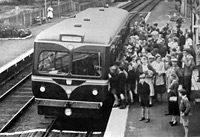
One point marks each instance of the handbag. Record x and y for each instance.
(173, 99)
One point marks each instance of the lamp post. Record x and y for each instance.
(59, 8)
(45, 7)
(195, 26)
(191, 19)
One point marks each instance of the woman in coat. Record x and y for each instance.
(159, 80)
(173, 99)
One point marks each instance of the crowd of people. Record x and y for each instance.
(155, 61)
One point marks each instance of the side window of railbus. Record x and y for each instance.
(124, 33)
(86, 64)
(53, 62)
(113, 50)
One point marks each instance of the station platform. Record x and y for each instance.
(160, 15)
(159, 123)
(11, 49)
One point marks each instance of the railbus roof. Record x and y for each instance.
(96, 25)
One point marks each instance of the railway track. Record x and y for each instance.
(51, 133)
(15, 96)
(132, 5)
(144, 9)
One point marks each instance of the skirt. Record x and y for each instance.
(160, 89)
(174, 108)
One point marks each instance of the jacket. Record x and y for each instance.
(185, 106)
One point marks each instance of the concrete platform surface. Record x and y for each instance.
(10, 49)
(159, 15)
(159, 123)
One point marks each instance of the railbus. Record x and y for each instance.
(71, 63)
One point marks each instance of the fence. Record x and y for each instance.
(27, 18)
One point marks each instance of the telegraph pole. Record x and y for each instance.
(59, 8)
(45, 8)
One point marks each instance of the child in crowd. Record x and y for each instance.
(184, 110)
(113, 79)
(144, 91)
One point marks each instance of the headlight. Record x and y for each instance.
(69, 91)
(68, 111)
(42, 89)
(70, 47)
(68, 81)
(95, 92)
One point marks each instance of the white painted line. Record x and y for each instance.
(147, 17)
(23, 132)
(66, 131)
(16, 60)
(18, 38)
(117, 123)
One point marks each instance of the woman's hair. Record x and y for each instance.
(182, 91)
(174, 76)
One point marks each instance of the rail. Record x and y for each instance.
(26, 100)
(50, 128)
(10, 122)
(13, 87)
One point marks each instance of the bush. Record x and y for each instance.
(13, 31)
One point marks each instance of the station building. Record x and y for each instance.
(191, 9)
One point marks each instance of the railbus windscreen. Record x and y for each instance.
(54, 62)
(83, 64)
(86, 64)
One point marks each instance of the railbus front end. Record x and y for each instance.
(72, 60)
(66, 83)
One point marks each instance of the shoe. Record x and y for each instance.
(150, 105)
(142, 118)
(147, 120)
(174, 124)
(122, 107)
(166, 114)
(171, 122)
(115, 105)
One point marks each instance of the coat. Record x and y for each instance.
(121, 83)
(149, 77)
(173, 92)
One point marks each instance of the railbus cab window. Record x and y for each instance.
(86, 64)
(54, 62)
